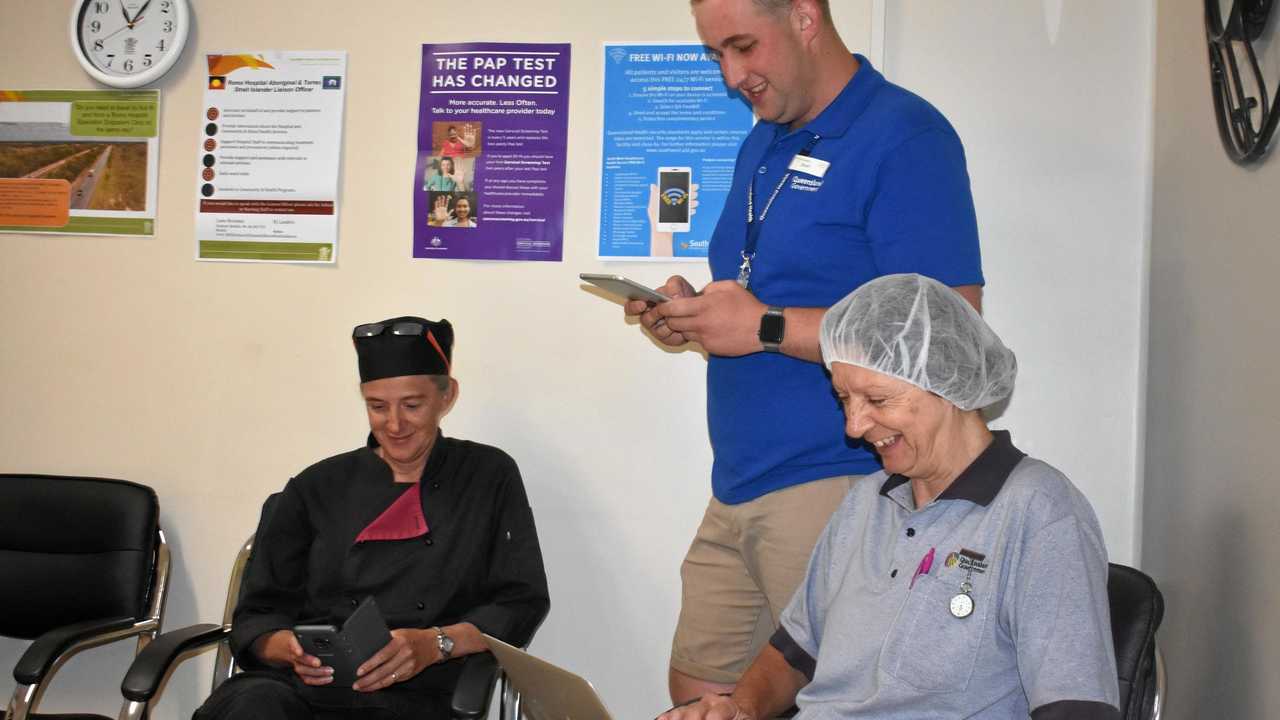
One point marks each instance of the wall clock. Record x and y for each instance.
(128, 43)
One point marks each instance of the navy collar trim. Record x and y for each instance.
(981, 481)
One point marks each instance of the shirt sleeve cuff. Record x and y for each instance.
(1075, 710)
(795, 655)
(246, 630)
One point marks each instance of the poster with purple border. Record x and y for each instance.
(493, 125)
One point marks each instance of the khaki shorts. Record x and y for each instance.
(745, 563)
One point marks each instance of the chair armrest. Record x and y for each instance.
(154, 662)
(50, 648)
(475, 686)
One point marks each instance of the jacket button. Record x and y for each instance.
(435, 486)
(354, 602)
(911, 532)
(429, 541)
(422, 606)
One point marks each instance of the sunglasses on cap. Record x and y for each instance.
(406, 328)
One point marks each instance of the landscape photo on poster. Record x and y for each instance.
(78, 161)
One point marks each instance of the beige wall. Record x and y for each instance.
(1053, 102)
(1210, 535)
(213, 383)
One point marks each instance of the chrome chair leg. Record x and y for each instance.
(24, 698)
(1157, 706)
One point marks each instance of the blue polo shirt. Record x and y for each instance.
(894, 199)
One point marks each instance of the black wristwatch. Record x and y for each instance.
(773, 327)
(445, 643)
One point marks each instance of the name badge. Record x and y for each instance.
(809, 165)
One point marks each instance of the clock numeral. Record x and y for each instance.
(110, 58)
(146, 60)
(168, 26)
(164, 6)
(128, 65)
(101, 7)
(95, 26)
(97, 45)
(160, 46)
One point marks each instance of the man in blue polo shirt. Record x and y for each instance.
(846, 177)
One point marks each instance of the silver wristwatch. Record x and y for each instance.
(445, 643)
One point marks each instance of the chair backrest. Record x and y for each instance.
(74, 549)
(224, 665)
(1137, 607)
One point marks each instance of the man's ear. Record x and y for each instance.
(805, 18)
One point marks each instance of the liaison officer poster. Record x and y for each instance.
(269, 157)
(492, 133)
(671, 136)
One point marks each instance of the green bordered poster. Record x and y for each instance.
(79, 162)
(270, 146)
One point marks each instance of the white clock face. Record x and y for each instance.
(962, 605)
(127, 43)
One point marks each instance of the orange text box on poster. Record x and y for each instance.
(34, 202)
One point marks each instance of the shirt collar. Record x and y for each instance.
(434, 461)
(836, 118)
(981, 481)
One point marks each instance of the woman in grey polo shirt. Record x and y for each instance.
(965, 580)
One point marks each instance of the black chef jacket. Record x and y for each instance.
(479, 561)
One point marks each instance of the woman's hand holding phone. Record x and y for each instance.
(409, 653)
(281, 649)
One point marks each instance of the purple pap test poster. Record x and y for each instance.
(492, 129)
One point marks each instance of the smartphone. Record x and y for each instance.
(362, 635)
(673, 199)
(624, 287)
(327, 643)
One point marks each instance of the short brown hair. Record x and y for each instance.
(777, 6)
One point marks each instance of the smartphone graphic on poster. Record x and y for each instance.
(673, 199)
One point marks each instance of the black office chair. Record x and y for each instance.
(471, 696)
(84, 563)
(1137, 607)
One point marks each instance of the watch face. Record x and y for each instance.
(962, 605)
(127, 43)
(772, 328)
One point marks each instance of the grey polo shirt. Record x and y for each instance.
(877, 643)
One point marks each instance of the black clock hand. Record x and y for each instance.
(125, 13)
(138, 15)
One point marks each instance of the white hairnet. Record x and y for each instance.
(916, 329)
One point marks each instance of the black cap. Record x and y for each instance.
(403, 346)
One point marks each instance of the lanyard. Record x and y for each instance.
(754, 224)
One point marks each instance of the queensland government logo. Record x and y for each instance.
(806, 184)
